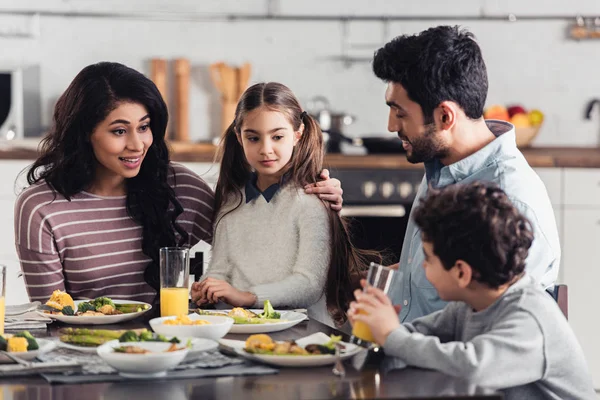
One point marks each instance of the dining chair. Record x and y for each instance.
(561, 295)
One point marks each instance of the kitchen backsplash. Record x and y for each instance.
(529, 62)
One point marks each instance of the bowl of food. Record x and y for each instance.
(142, 359)
(24, 346)
(201, 326)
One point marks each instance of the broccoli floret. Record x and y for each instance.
(129, 336)
(102, 301)
(269, 312)
(146, 336)
(32, 344)
(85, 306)
(3, 343)
(175, 340)
(68, 310)
(160, 338)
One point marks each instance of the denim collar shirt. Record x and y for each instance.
(501, 162)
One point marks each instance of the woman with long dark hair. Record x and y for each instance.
(273, 241)
(104, 196)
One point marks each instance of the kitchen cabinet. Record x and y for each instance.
(582, 275)
(581, 252)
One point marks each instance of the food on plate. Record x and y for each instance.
(145, 336)
(245, 316)
(19, 342)
(141, 350)
(62, 303)
(185, 320)
(60, 299)
(264, 344)
(96, 337)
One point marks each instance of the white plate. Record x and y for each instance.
(142, 366)
(98, 320)
(199, 345)
(45, 345)
(289, 319)
(295, 361)
(218, 327)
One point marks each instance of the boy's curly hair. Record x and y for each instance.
(476, 223)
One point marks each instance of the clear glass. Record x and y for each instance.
(380, 277)
(2, 297)
(174, 281)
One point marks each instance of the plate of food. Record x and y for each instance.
(251, 321)
(99, 311)
(24, 346)
(88, 340)
(311, 351)
(143, 359)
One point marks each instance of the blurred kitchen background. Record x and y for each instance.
(541, 55)
(312, 47)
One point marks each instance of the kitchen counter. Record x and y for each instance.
(538, 157)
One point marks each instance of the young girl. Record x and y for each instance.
(104, 196)
(273, 241)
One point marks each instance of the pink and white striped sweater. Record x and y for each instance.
(90, 247)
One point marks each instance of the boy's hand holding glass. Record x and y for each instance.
(379, 313)
(213, 290)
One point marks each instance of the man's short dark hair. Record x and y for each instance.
(440, 64)
(476, 223)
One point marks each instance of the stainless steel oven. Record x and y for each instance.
(378, 203)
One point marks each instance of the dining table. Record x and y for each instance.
(372, 378)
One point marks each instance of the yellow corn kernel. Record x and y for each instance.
(16, 344)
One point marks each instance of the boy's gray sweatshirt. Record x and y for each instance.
(521, 344)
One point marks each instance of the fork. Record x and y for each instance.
(338, 367)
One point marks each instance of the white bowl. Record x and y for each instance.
(218, 327)
(149, 365)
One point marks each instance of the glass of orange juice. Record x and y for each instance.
(2, 297)
(380, 277)
(174, 281)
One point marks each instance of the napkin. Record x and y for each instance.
(24, 317)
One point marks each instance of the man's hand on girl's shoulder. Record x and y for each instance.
(328, 189)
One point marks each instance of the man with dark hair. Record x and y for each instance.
(501, 330)
(437, 87)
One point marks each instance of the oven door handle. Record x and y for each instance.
(374, 211)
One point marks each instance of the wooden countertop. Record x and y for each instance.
(560, 157)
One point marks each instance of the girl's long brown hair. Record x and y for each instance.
(347, 264)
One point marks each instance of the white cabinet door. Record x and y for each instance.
(582, 187)
(552, 178)
(581, 273)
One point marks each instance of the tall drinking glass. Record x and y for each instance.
(2, 297)
(174, 281)
(380, 277)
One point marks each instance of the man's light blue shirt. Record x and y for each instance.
(500, 162)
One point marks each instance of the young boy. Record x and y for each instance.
(501, 330)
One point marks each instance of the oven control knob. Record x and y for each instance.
(405, 189)
(369, 188)
(386, 189)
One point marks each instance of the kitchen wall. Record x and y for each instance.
(529, 62)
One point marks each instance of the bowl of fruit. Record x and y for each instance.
(527, 123)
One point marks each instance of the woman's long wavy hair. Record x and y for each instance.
(347, 264)
(67, 162)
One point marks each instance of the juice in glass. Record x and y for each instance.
(173, 302)
(381, 278)
(174, 281)
(362, 330)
